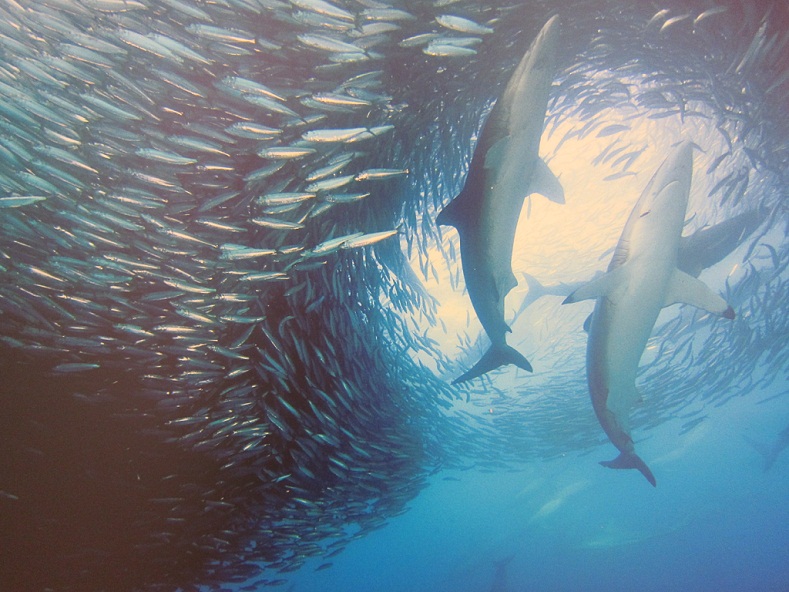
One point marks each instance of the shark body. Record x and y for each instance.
(504, 169)
(642, 278)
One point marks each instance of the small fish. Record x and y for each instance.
(612, 129)
(164, 156)
(231, 252)
(277, 224)
(329, 44)
(660, 14)
(325, 8)
(335, 135)
(334, 99)
(188, 9)
(148, 44)
(286, 198)
(265, 171)
(14, 201)
(263, 276)
(335, 165)
(333, 244)
(252, 131)
(69, 367)
(673, 20)
(330, 183)
(462, 25)
(286, 152)
(197, 144)
(188, 287)
(270, 105)
(619, 175)
(448, 51)
(244, 85)
(708, 13)
(214, 33)
(344, 197)
(417, 40)
(112, 6)
(379, 174)
(368, 239)
(387, 14)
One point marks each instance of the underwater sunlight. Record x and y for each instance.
(394, 295)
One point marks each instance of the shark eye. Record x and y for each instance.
(645, 213)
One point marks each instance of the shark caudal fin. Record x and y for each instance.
(496, 356)
(765, 452)
(630, 460)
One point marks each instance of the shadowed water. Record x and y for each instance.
(228, 320)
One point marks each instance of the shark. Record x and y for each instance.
(771, 453)
(642, 278)
(500, 576)
(505, 168)
(711, 244)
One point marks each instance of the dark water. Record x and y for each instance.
(228, 320)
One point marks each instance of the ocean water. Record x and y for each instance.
(229, 323)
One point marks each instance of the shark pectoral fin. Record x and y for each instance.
(544, 182)
(494, 157)
(686, 289)
(630, 460)
(609, 284)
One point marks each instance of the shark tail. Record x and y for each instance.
(630, 460)
(504, 562)
(498, 355)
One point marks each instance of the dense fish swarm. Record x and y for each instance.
(206, 313)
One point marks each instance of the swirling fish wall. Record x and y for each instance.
(222, 282)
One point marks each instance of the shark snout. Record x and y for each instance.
(672, 179)
(682, 161)
(548, 39)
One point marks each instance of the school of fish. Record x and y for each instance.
(206, 311)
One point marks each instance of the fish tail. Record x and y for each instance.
(630, 460)
(498, 355)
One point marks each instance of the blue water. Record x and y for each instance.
(716, 522)
(229, 322)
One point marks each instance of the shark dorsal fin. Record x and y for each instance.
(494, 157)
(540, 178)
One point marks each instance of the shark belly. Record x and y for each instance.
(616, 342)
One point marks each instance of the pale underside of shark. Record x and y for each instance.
(642, 278)
(505, 168)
